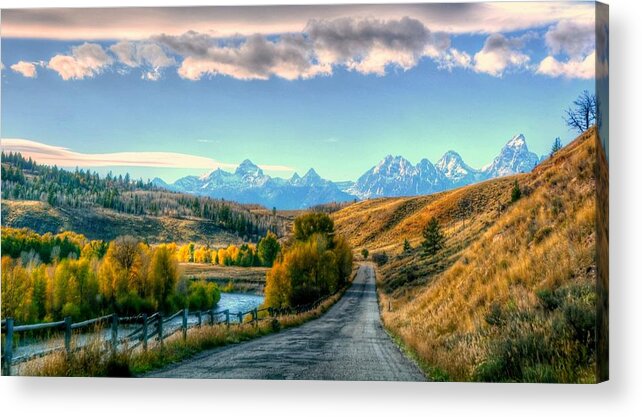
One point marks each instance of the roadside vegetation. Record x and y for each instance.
(315, 263)
(93, 361)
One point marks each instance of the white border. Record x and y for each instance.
(620, 396)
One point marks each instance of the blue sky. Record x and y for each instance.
(363, 104)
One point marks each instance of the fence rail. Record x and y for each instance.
(139, 336)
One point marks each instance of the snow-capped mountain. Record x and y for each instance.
(396, 176)
(513, 158)
(393, 176)
(453, 167)
(248, 184)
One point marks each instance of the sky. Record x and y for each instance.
(168, 92)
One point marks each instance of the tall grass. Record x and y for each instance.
(519, 302)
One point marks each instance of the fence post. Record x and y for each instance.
(185, 313)
(145, 332)
(240, 315)
(8, 349)
(212, 317)
(114, 332)
(68, 335)
(255, 314)
(160, 330)
(227, 317)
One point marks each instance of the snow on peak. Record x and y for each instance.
(517, 141)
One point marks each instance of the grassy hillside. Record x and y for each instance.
(49, 199)
(511, 297)
(105, 224)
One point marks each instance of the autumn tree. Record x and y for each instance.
(318, 263)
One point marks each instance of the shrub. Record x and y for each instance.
(380, 258)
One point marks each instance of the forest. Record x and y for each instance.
(49, 277)
(25, 179)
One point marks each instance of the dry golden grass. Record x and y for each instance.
(99, 223)
(496, 261)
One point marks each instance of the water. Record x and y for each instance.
(239, 302)
(235, 302)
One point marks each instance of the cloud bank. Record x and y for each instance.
(284, 45)
(85, 61)
(64, 157)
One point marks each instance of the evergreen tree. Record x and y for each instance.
(406, 246)
(557, 145)
(434, 238)
(516, 193)
(365, 253)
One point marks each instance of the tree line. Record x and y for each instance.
(92, 278)
(262, 254)
(24, 179)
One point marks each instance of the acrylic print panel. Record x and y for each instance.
(339, 192)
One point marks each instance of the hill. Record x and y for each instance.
(511, 296)
(104, 224)
(46, 198)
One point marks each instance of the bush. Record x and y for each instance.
(380, 258)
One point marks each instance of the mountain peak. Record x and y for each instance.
(517, 141)
(247, 167)
(513, 158)
(449, 157)
(311, 174)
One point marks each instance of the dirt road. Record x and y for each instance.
(346, 343)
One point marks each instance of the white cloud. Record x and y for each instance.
(571, 47)
(368, 46)
(573, 68)
(64, 157)
(148, 55)
(571, 38)
(289, 57)
(26, 69)
(499, 54)
(85, 61)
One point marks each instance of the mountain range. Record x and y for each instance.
(392, 177)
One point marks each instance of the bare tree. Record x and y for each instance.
(584, 113)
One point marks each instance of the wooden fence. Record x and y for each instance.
(136, 338)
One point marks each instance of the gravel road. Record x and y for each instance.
(346, 343)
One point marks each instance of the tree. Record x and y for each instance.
(365, 253)
(267, 249)
(406, 246)
(433, 236)
(516, 193)
(557, 145)
(584, 113)
(308, 224)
